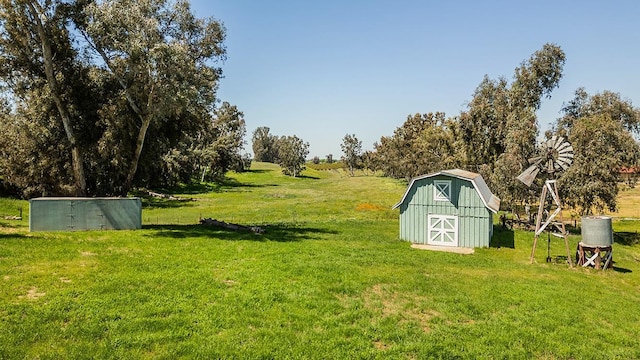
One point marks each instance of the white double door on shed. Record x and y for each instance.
(442, 230)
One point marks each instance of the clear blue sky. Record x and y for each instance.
(322, 69)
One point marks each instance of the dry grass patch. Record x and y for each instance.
(628, 202)
(368, 207)
(406, 307)
(32, 294)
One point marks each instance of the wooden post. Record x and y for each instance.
(541, 206)
(564, 231)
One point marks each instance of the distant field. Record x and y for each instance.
(628, 203)
(329, 279)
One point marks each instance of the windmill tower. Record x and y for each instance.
(555, 155)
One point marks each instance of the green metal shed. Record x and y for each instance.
(73, 213)
(448, 208)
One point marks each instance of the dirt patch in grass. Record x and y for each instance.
(380, 345)
(88, 253)
(368, 207)
(13, 230)
(32, 294)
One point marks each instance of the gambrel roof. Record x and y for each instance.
(491, 201)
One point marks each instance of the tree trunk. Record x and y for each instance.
(76, 157)
(145, 120)
(136, 155)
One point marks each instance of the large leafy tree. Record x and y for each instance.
(600, 129)
(352, 149)
(423, 144)
(292, 154)
(499, 128)
(41, 69)
(264, 145)
(162, 56)
(223, 151)
(607, 102)
(106, 95)
(483, 126)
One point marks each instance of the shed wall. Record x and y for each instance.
(72, 214)
(475, 223)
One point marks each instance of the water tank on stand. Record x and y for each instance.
(597, 231)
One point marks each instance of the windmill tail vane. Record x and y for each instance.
(529, 175)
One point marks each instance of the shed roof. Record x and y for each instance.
(491, 201)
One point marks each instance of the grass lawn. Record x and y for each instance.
(329, 279)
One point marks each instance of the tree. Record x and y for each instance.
(602, 146)
(129, 109)
(161, 56)
(264, 145)
(499, 129)
(606, 102)
(36, 50)
(423, 144)
(600, 129)
(352, 149)
(483, 126)
(292, 154)
(369, 160)
(223, 151)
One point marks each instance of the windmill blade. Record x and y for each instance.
(563, 146)
(568, 156)
(557, 140)
(549, 143)
(566, 150)
(535, 160)
(527, 176)
(563, 164)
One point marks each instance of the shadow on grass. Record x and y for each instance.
(626, 238)
(156, 203)
(220, 185)
(13, 225)
(573, 230)
(308, 177)
(7, 236)
(276, 232)
(258, 171)
(621, 270)
(502, 237)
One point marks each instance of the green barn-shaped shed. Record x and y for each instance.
(448, 208)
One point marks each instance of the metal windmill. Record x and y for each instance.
(555, 155)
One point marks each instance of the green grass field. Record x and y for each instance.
(329, 279)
